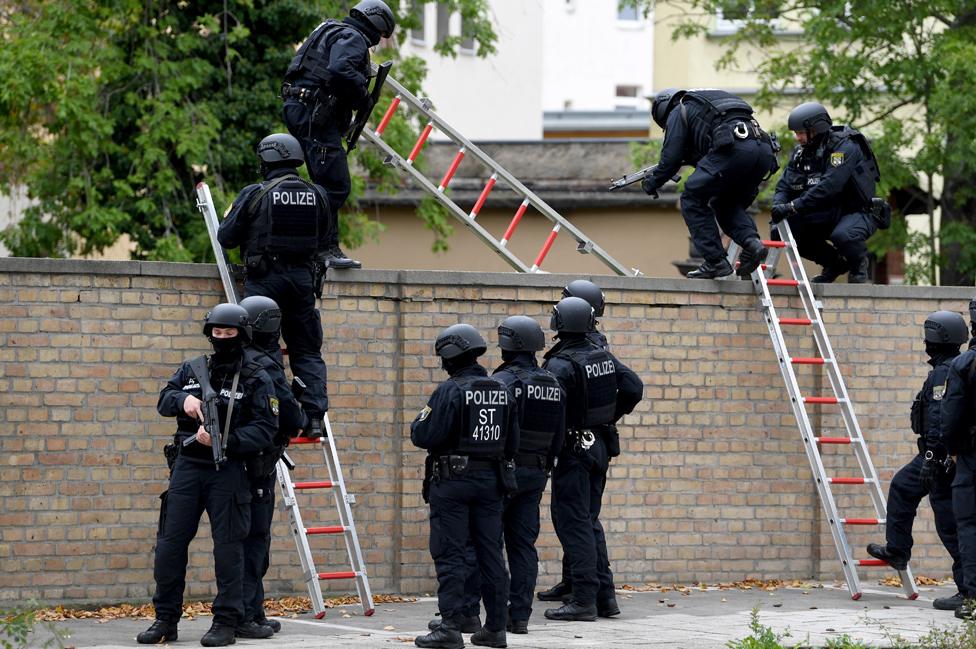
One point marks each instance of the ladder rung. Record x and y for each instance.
(821, 400)
(782, 282)
(337, 575)
(769, 243)
(484, 195)
(515, 221)
(862, 521)
(848, 480)
(387, 116)
(331, 529)
(871, 562)
(420, 142)
(327, 484)
(307, 440)
(446, 180)
(545, 247)
(795, 321)
(833, 440)
(808, 361)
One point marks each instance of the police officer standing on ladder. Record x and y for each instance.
(265, 318)
(827, 193)
(470, 430)
(599, 391)
(248, 421)
(959, 439)
(931, 471)
(280, 225)
(325, 82)
(716, 132)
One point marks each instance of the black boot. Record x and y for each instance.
(219, 635)
(485, 638)
(949, 603)
(158, 633)
(830, 273)
(253, 630)
(447, 635)
(561, 592)
(754, 253)
(518, 626)
(573, 611)
(607, 606)
(859, 272)
(274, 624)
(711, 270)
(335, 258)
(896, 561)
(468, 623)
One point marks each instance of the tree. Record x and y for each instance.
(902, 71)
(112, 110)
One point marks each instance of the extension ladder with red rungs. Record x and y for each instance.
(498, 173)
(762, 279)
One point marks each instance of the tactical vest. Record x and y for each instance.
(485, 409)
(311, 61)
(598, 377)
(720, 106)
(932, 391)
(541, 408)
(866, 174)
(285, 218)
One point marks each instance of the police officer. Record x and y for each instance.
(958, 424)
(826, 193)
(265, 318)
(325, 82)
(599, 391)
(280, 225)
(931, 471)
(248, 423)
(470, 430)
(715, 131)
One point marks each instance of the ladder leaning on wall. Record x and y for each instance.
(762, 279)
(289, 488)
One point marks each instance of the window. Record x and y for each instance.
(627, 13)
(627, 97)
(628, 91)
(418, 34)
(443, 22)
(467, 38)
(733, 17)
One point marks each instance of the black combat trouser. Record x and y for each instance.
(257, 545)
(325, 158)
(834, 244)
(193, 488)
(723, 186)
(301, 328)
(578, 482)
(904, 496)
(964, 507)
(462, 510)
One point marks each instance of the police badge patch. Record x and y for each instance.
(938, 392)
(424, 413)
(837, 158)
(273, 402)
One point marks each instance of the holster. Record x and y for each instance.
(611, 438)
(256, 266)
(451, 466)
(171, 451)
(263, 464)
(428, 478)
(319, 270)
(323, 110)
(506, 475)
(722, 137)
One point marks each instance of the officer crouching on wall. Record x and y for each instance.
(470, 430)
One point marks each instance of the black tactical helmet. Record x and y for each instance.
(520, 334)
(281, 150)
(573, 315)
(378, 14)
(459, 339)
(587, 290)
(228, 315)
(664, 101)
(263, 314)
(972, 310)
(946, 327)
(811, 117)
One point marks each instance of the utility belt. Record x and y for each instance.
(323, 104)
(580, 440)
(260, 265)
(531, 460)
(302, 93)
(448, 467)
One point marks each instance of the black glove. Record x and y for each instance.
(781, 210)
(929, 471)
(649, 187)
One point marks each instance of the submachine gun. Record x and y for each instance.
(362, 115)
(634, 177)
(211, 414)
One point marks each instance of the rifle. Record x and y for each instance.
(634, 177)
(358, 124)
(211, 415)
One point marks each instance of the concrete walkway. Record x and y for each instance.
(693, 620)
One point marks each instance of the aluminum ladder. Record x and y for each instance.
(762, 279)
(585, 245)
(289, 488)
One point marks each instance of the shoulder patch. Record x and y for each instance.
(837, 158)
(273, 402)
(938, 391)
(424, 413)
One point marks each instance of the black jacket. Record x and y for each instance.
(926, 416)
(506, 373)
(958, 416)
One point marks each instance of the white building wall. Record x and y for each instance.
(589, 49)
(493, 98)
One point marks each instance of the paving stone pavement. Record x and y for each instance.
(697, 620)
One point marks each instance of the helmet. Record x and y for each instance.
(459, 339)
(281, 150)
(972, 310)
(573, 315)
(587, 290)
(664, 101)
(263, 313)
(520, 334)
(378, 14)
(811, 116)
(228, 315)
(946, 327)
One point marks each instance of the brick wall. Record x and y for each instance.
(713, 483)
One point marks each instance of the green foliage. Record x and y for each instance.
(111, 111)
(17, 625)
(763, 637)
